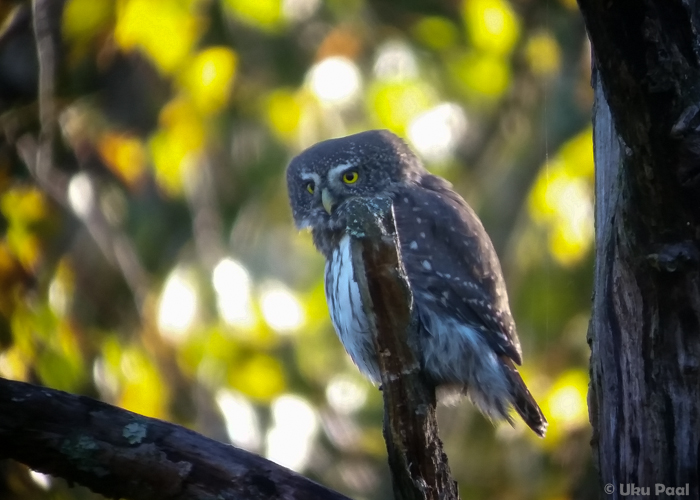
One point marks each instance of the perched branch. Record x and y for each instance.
(418, 465)
(122, 454)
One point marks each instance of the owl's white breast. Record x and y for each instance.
(347, 314)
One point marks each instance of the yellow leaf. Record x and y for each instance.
(261, 377)
(543, 54)
(492, 25)
(24, 205)
(124, 154)
(84, 18)
(176, 145)
(562, 200)
(283, 112)
(14, 364)
(164, 31)
(265, 15)
(25, 246)
(209, 78)
(482, 73)
(436, 32)
(144, 391)
(396, 103)
(566, 405)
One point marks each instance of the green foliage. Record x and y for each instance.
(164, 274)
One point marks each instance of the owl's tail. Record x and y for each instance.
(523, 402)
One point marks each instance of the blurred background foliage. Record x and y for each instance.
(155, 265)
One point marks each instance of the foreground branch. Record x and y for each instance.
(418, 465)
(122, 454)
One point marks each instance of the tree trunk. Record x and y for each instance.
(645, 329)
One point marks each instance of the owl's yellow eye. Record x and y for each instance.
(310, 187)
(350, 177)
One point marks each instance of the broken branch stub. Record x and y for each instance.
(418, 465)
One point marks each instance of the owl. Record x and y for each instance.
(468, 340)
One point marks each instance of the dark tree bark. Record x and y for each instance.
(645, 329)
(418, 464)
(121, 454)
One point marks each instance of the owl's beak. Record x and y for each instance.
(328, 201)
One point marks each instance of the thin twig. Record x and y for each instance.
(113, 243)
(46, 45)
(206, 220)
(38, 155)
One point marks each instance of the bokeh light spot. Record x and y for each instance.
(124, 154)
(566, 402)
(164, 31)
(492, 25)
(395, 60)
(81, 195)
(485, 74)
(562, 200)
(396, 103)
(242, 423)
(83, 18)
(438, 131)
(283, 113)
(543, 54)
(265, 15)
(144, 391)
(176, 145)
(281, 310)
(232, 285)
(291, 437)
(261, 377)
(435, 32)
(209, 78)
(299, 10)
(62, 288)
(177, 309)
(345, 394)
(335, 80)
(41, 480)
(25, 210)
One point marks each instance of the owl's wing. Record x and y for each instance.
(451, 263)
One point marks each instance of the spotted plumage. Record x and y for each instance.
(468, 338)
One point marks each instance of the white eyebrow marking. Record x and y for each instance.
(310, 176)
(338, 168)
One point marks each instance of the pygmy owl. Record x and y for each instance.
(467, 334)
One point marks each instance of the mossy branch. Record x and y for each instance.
(121, 454)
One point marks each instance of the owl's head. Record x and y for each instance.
(321, 178)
